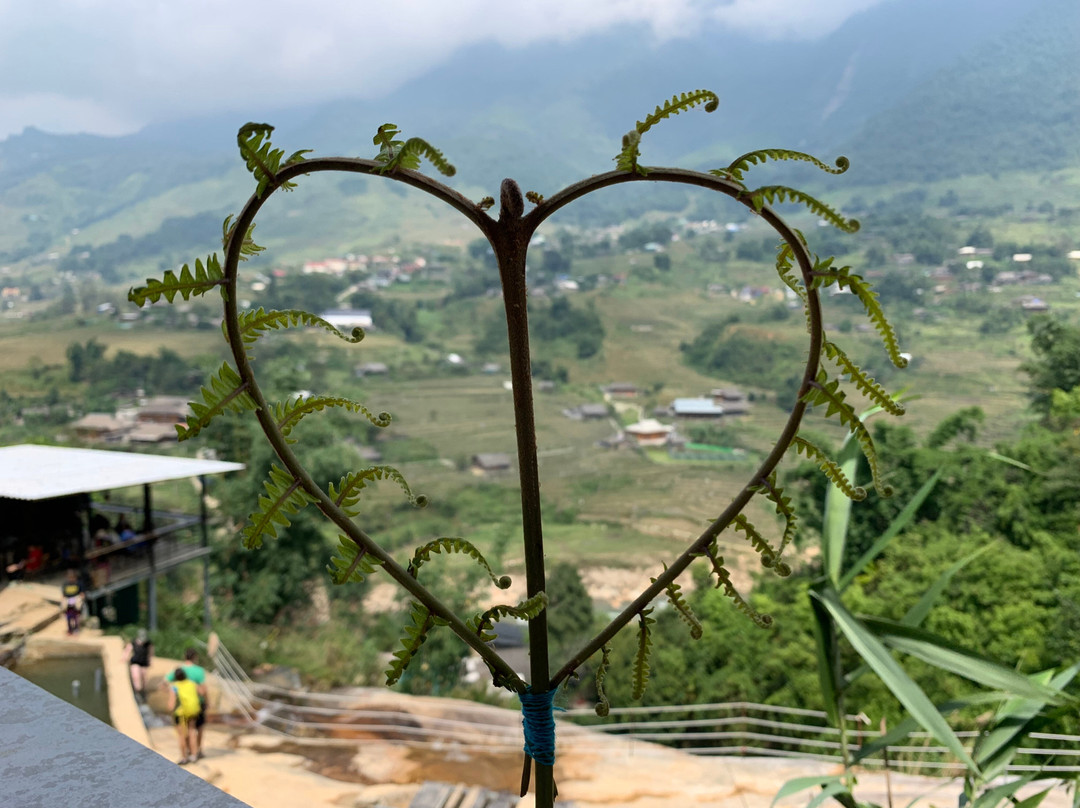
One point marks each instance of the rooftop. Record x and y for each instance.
(32, 472)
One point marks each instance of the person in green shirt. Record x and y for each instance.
(197, 674)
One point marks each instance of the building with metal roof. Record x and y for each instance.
(49, 522)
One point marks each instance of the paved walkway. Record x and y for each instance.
(268, 771)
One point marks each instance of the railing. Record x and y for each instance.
(729, 728)
(744, 728)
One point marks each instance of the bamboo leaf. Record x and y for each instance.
(917, 613)
(797, 784)
(834, 523)
(877, 656)
(828, 656)
(902, 520)
(1013, 719)
(944, 654)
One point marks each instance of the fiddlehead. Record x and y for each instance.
(723, 580)
(287, 414)
(774, 194)
(455, 545)
(678, 602)
(867, 386)
(740, 165)
(641, 656)
(248, 247)
(253, 324)
(627, 159)
(394, 154)
(484, 622)
(262, 160)
(603, 706)
(767, 552)
(825, 392)
(825, 274)
(830, 468)
(776, 496)
(346, 494)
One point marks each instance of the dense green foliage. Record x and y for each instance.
(1018, 602)
(559, 322)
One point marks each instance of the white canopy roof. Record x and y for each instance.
(42, 472)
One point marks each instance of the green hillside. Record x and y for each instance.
(1012, 103)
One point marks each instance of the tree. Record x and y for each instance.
(1056, 365)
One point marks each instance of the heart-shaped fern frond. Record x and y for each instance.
(254, 323)
(455, 545)
(283, 498)
(189, 284)
(346, 494)
(740, 165)
(351, 563)
(831, 469)
(825, 274)
(641, 656)
(416, 634)
(627, 159)
(395, 154)
(825, 392)
(248, 247)
(224, 392)
(287, 414)
(775, 194)
(723, 580)
(262, 160)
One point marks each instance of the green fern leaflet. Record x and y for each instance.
(224, 392)
(283, 498)
(189, 284)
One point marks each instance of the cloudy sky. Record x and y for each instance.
(112, 66)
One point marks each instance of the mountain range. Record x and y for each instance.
(909, 89)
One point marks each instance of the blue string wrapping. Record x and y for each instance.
(539, 724)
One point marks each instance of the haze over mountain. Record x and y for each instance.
(905, 88)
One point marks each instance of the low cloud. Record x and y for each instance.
(111, 67)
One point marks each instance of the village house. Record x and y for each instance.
(163, 410)
(696, 408)
(621, 390)
(490, 462)
(371, 369)
(649, 432)
(101, 426)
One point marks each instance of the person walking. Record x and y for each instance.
(196, 673)
(71, 601)
(139, 653)
(185, 708)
